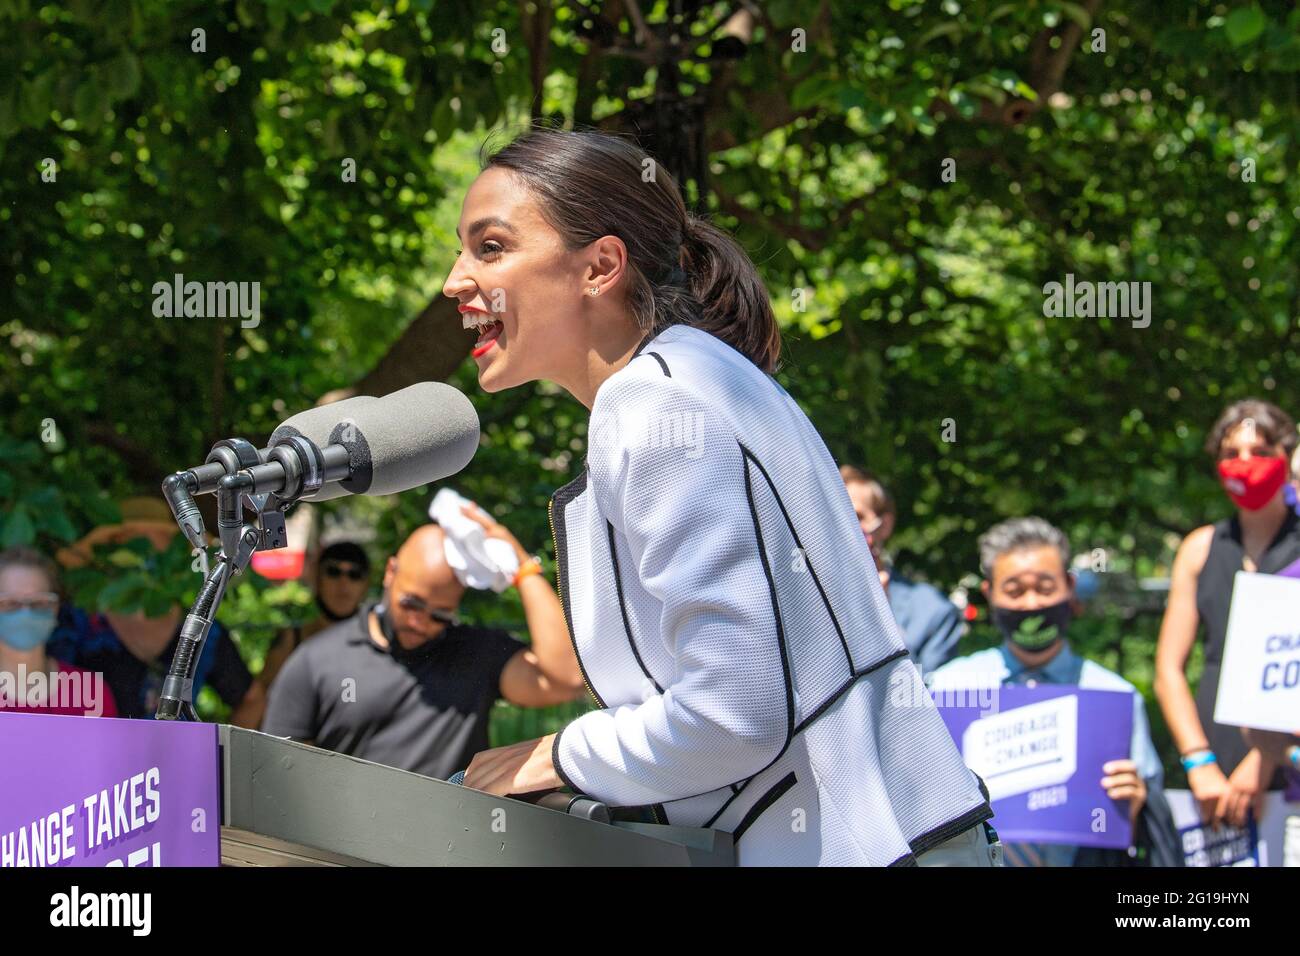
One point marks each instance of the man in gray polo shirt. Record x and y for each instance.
(403, 683)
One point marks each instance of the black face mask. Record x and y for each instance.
(1034, 630)
(330, 614)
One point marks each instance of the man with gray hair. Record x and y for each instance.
(1030, 592)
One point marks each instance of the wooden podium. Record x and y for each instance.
(289, 804)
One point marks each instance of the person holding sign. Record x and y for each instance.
(1252, 443)
(1031, 599)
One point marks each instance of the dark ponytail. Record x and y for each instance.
(684, 270)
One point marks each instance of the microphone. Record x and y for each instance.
(423, 433)
(365, 446)
(420, 434)
(315, 425)
(229, 456)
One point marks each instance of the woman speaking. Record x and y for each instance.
(717, 586)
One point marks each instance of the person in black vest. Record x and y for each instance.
(1252, 443)
(406, 684)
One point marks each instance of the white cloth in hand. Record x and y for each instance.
(478, 561)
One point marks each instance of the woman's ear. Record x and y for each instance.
(607, 266)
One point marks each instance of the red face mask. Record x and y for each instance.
(1252, 482)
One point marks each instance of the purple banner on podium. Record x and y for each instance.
(104, 792)
(1041, 753)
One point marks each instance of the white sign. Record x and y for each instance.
(1259, 681)
(1026, 748)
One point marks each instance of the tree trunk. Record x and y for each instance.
(430, 349)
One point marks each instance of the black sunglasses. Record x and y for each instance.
(351, 571)
(409, 602)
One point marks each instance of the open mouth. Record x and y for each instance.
(488, 328)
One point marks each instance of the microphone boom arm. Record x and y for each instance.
(300, 469)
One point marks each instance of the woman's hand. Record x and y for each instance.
(1123, 782)
(524, 767)
(1208, 785)
(1246, 789)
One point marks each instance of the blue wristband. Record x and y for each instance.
(1293, 754)
(1199, 758)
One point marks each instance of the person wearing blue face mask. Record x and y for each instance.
(31, 681)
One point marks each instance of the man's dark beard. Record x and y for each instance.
(395, 647)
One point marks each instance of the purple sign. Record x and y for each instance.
(1292, 785)
(1040, 751)
(103, 792)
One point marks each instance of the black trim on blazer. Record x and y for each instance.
(622, 608)
(774, 793)
(735, 792)
(559, 500)
(662, 364)
(566, 493)
(807, 722)
(920, 844)
(555, 762)
(803, 551)
(983, 787)
(907, 859)
(776, 614)
(846, 687)
(780, 640)
(946, 831)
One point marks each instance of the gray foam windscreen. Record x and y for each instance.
(316, 424)
(423, 433)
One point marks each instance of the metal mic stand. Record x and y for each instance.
(239, 540)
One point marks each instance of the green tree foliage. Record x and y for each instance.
(909, 176)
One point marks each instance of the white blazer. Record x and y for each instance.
(728, 620)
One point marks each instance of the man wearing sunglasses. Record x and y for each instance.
(405, 683)
(931, 625)
(342, 580)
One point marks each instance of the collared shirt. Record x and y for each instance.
(930, 623)
(999, 666)
(424, 710)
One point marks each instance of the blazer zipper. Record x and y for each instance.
(564, 602)
(568, 620)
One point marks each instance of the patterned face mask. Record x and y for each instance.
(1036, 629)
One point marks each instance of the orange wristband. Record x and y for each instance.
(530, 567)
